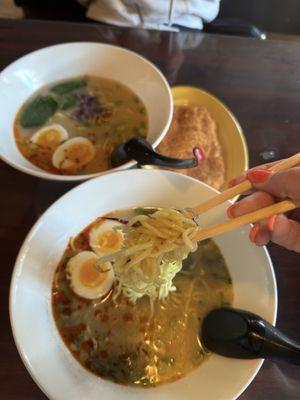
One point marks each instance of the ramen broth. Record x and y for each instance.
(128, 344)
(101, 110)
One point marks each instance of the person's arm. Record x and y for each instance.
(271, 188)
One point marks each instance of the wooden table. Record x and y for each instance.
(259, 81)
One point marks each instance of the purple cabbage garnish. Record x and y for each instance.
(88, 109)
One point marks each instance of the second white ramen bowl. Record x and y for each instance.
(29, 73)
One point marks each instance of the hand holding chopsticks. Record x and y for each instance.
(263, 213)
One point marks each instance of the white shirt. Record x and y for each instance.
(153, 14)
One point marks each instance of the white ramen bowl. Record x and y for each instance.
(29, 73)
(43, 352)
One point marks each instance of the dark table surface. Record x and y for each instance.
(258, 80)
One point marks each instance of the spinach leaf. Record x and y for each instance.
(66, 101)
(68, 86)
(38, 111)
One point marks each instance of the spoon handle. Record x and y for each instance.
(277, 346)
(142, 152)
(241, 334)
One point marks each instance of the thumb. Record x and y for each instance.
(281, 184)
(285, 232)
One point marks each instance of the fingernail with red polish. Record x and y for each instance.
(258, 175)
(253, 233)
(230, 211)
(231, 183)
(271, 223)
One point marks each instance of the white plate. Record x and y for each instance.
(26, 75)
(51, 365)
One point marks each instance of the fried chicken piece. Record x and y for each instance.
(193, 126)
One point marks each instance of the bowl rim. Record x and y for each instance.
(27, 238)
(73, 178)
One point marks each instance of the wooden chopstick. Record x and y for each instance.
(277, 208)
(244, 186)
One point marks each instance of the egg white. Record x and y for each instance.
(62, 133)
(73, 276)
(106, 226)
(60, 156)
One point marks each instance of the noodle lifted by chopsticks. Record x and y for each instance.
(154, 247)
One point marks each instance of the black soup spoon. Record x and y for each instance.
(140, 150)
(241, 334)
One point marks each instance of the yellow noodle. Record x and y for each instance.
(72, 242)
(154, 230)
(154, 248)
(138, 247)
(139, 258)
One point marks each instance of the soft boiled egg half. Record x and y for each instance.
(73, 154)
(106, 237)
(87, 278)
(51, 136)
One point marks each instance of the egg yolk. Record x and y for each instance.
(109, 241)
(89, 276)
(78, 154)
(49, 138)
